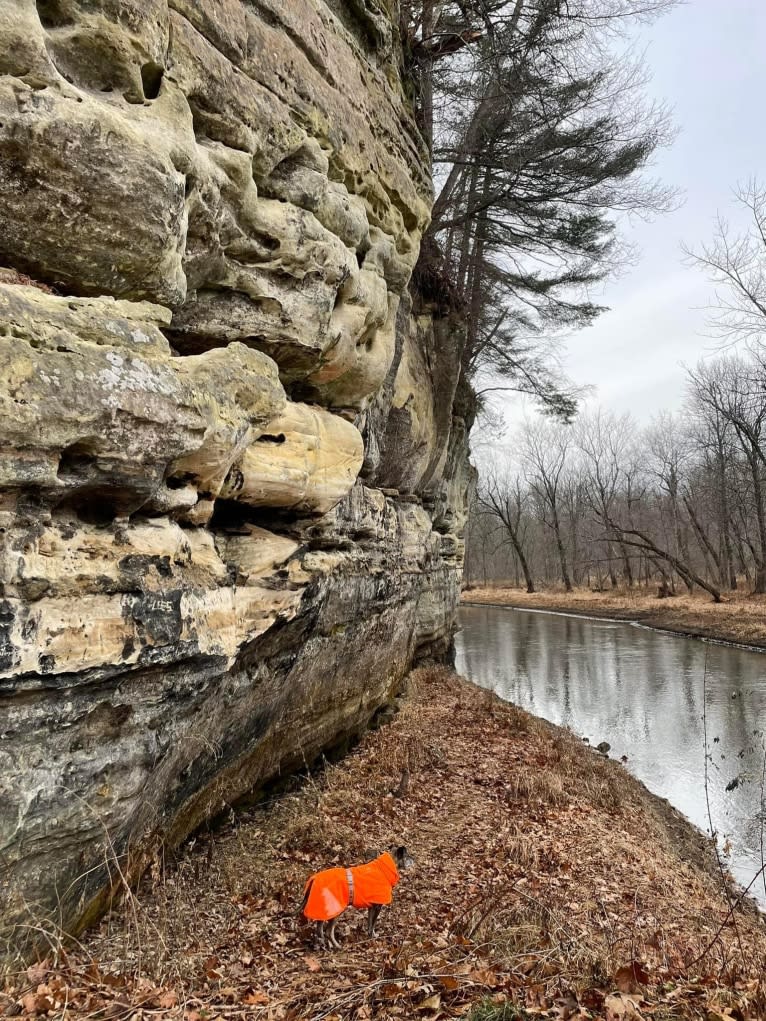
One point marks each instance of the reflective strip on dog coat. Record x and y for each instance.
(328, 894)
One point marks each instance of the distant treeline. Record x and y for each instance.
(603, 503)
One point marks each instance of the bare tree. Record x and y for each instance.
(574, 501)
(604, 440)
(503, 494)
(669, 454)
(686, 497)
(544, 451)
(634, 537)
(735, 389)
(710, 487)
(485, 539)
(736, 262)
(675, 501)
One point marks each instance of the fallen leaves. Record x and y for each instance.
(558, 892)
(255, 997)
(631, 977)
(37, 1003)
(167, 999)
(618, 1006)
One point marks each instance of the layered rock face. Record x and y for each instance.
(232, 472)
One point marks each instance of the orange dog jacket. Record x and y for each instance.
(331, 891)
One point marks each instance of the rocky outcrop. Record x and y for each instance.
(232, 465)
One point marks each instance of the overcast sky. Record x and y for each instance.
(708, 61)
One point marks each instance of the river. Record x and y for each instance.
(642, 691)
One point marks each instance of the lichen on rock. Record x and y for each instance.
(232, 466)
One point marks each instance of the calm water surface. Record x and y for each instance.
(643, 693)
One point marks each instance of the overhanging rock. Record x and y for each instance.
(232, 469)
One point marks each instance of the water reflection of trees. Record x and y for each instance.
(642, 692)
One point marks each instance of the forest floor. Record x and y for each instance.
(548, 883)
(739, 618)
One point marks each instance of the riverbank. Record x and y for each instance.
(740, 618)
(545, 876)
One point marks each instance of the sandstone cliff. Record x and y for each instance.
(232, 476)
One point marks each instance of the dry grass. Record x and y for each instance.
(741, 617)
(540, 786)
(542, 870)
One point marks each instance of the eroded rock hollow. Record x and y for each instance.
(232, 467)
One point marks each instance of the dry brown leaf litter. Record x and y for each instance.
(545, 876)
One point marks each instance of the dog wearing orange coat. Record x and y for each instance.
(328, 893)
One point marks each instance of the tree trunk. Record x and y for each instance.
(427, 77)
(461, 278)
(560, 546)
(643, 542)
(729, 553)
(515, 542)
(577, 571)
(628, 570)
(476, 274)
(760, 563)
(525, 569)
(705, 544)
(740, 548)
(725, 525)
(610, 565)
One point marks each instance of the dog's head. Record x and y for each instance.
(401, 856)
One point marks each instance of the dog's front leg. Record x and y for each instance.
(320, 934)
(372, 917)
(332, 938)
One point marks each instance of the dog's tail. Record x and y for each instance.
(306, 895)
